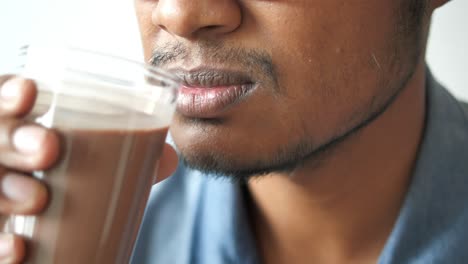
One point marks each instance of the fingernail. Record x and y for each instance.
(11, 89)
(29, 139)
(16, 188)
(6, 246)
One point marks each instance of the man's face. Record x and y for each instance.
(270, 82)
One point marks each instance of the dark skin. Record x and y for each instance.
(340, 72)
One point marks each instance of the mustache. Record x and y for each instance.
(248, 60)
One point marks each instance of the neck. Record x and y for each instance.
(345, 209)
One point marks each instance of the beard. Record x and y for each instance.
(286, 159)
(406, 51)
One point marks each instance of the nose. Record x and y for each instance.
(194, 18)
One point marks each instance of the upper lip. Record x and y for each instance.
(208, 78)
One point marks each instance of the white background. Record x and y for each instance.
(85, 21)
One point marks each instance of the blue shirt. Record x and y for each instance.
(193, 218)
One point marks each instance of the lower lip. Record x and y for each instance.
(201, 102)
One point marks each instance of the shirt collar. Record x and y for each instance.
(433, 209)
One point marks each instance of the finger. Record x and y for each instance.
(12, 249)
(167, 163)
(17, 96)
(21, 194)
(27, 147)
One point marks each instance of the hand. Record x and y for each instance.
(25, 147)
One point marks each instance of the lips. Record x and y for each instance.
(208, 93)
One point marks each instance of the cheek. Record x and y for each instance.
(144, 10)
(326, 61)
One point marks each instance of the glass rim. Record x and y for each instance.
(153, 71)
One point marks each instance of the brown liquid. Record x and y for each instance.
(98, 194)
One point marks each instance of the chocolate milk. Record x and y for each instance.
(98, 191)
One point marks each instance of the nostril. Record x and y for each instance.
(161, 26)
(211, 27)
(188, 19)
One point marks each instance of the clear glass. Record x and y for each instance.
(112, 116)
